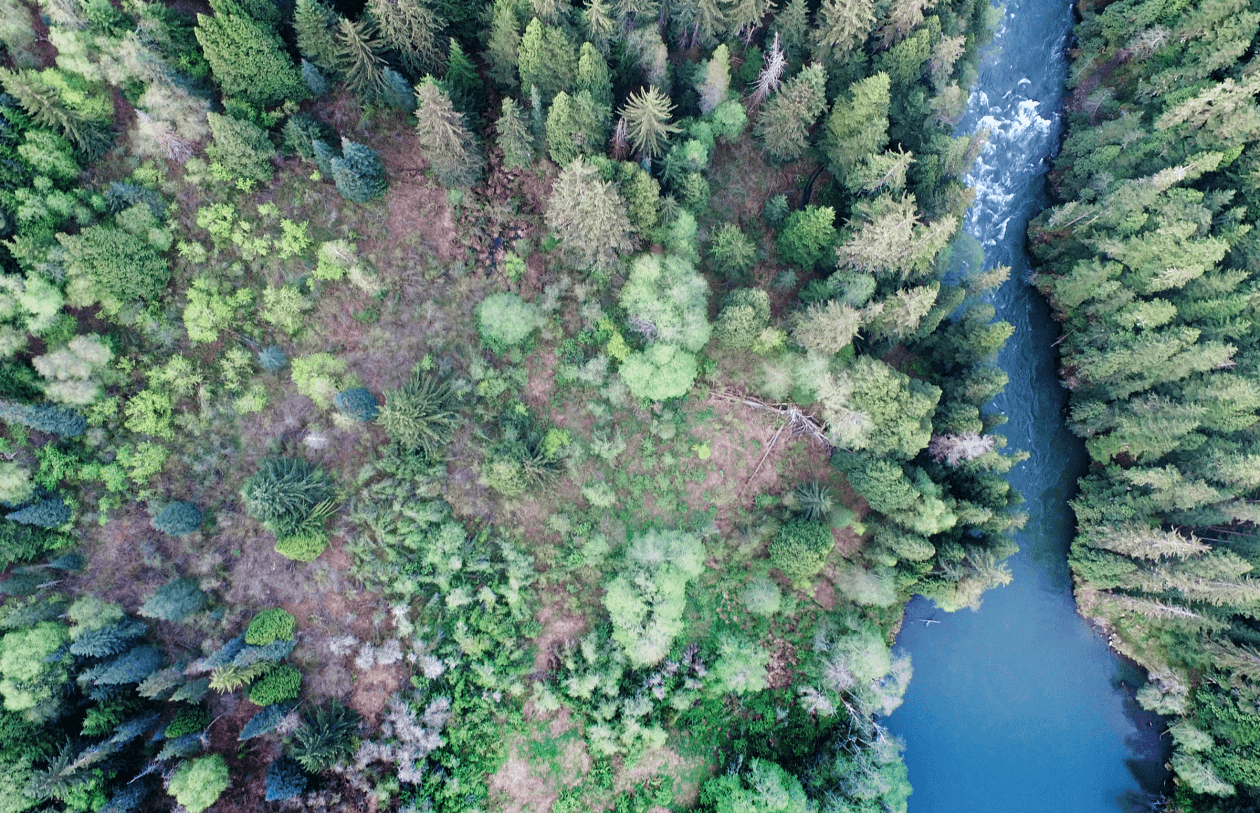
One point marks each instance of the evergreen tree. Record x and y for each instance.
(503, 44)
(51, 512)
(840, 26)
(445, 141)
(598, 22)
(791, 26)
(514, 137)
(732, 252)
(713, 83)
(314, 79)
(412, 30)
(358, 172)
(359, 58)
(398, 93)
(827, 328)
(175, 601)
(57, 102)
(248, 59)
(573, 127)
(178, 519)
(241, 149)
(284, 777)
(358, 403)
(462, 83)
(420, 414)
(889, 240)
(546, 60)
(314, 26)
(589, 216)
(785, 121)
(594, 78)
(49, 419)
(647, 114)
(858, 125)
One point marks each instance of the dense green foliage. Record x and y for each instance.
(1148, 259)
(579, 496)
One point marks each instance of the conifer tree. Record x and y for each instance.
(589, 217)
(791, 26)
(840, 26)
(51, 512)
(314, 24)
(713, 83)
(514, 137)
(47, 107)
(53, 420)
(594, 78)
(462, 83)
(445, 141)
(178, 519)
(314, 79)
(573, 127)
(647, 115)
(241, 149)
(546, 60)
(785, 121)
(858, 124)
(358, 172)
(248, 59)
(359, 59)
(743, 17)
(503, 44)
(598, 23)
(175, 601)
(412, 29)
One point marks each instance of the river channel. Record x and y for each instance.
(1021, 706)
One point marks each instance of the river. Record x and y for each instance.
(1021, 706)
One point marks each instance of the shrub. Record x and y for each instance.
(198, 783)
(302, 547)
(284, 493)
(662, 371)
(47, 513)
(175, 601)
(278, 685)
(326, 737)
(188, 720)
(284, 779)
(358, 403)
(178, 518)
(667, 300)
(800, 549)
(762, 596)
(270, 625)
(317, 376)
(420, 414)
(741, 665)
(505, 320)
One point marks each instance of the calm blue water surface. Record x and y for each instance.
(1021, 706)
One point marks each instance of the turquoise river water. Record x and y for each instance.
(1021, 706)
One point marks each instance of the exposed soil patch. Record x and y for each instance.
(514, 788)
(558, 626)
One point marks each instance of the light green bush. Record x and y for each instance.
(505, 320)
(198, 783)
